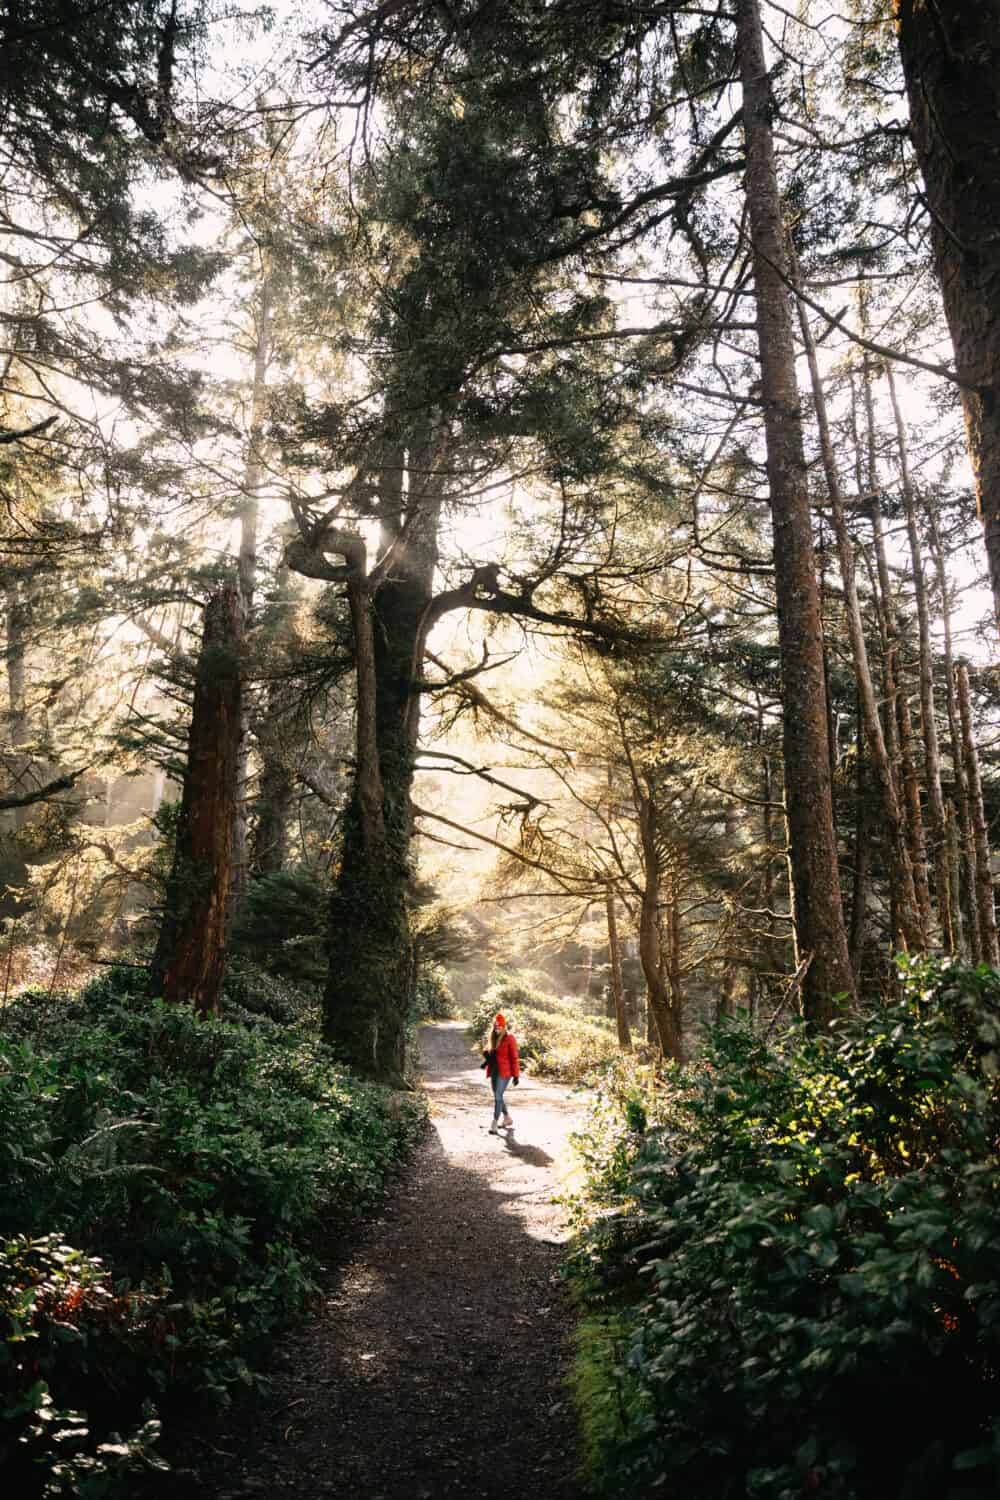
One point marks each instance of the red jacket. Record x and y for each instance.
(508, 1062)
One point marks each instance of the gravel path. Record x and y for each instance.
(437, 1365)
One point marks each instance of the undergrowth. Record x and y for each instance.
(168, 1185)
(553, 1038)
(795, 1247)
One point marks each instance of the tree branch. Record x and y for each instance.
(42, 793)
(484, 773)
(571, 885)
(14, 435)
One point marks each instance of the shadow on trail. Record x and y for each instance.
(533, 1155)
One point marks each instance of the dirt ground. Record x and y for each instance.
(437, 1365)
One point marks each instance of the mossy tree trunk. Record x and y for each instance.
(273, 809)
(371, 955)
(190, 957)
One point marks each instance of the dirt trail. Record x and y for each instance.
(436, 1367)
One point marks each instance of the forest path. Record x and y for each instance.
(437, 1364)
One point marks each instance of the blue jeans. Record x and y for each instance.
(499, 1085)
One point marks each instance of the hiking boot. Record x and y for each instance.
(508, 1121)
(493, 1129)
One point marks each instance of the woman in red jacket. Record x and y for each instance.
(503, 1067)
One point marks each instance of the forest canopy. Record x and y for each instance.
(517, 472)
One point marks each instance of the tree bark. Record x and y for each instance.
(614, 955)
(370, 948)
(897, 718)
(18, 616)
(371, 951)
(247, 572)
(666, 1019)
(928, 723)
(269, 854)
(190, 957)
(954, 867)
(775, 958)
(951, 60)
(725, 1006)
(967, 848)
(985, 909)
(818, 906)
(675, 977)
(914, 811)
(902, 871)
(862, 863)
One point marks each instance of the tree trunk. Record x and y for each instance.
(725, 1006)
(967, 864)
(951, 59)
(18, 616)
(247, 573)
(678, 999)
(902, 871)
(928, 724)
(914, 813)
(617, 989)
(371, 952)
(863, 825)
(189, 961)
(666, 1020)
(954, 866)
(897, 717)
(985, 910)
(273, 810)
(776, 940)
(868, 483)
(818, 906)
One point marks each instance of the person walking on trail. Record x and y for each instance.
(503, 1067)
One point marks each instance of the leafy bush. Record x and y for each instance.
(59, 1318)
(250, 993)
(433, 1000)
(804, 1253)
(552, 1037)
(200, 1161)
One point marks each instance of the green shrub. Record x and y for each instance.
(63, 1328)
(250, 993)
(201, 1161)
(283, 924)
(805, 1252)
(552, 1036)
(433, 1000)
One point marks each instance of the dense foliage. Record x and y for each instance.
(798, 1266)
(203, 1167)
(553, 1038)
(433, 998)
